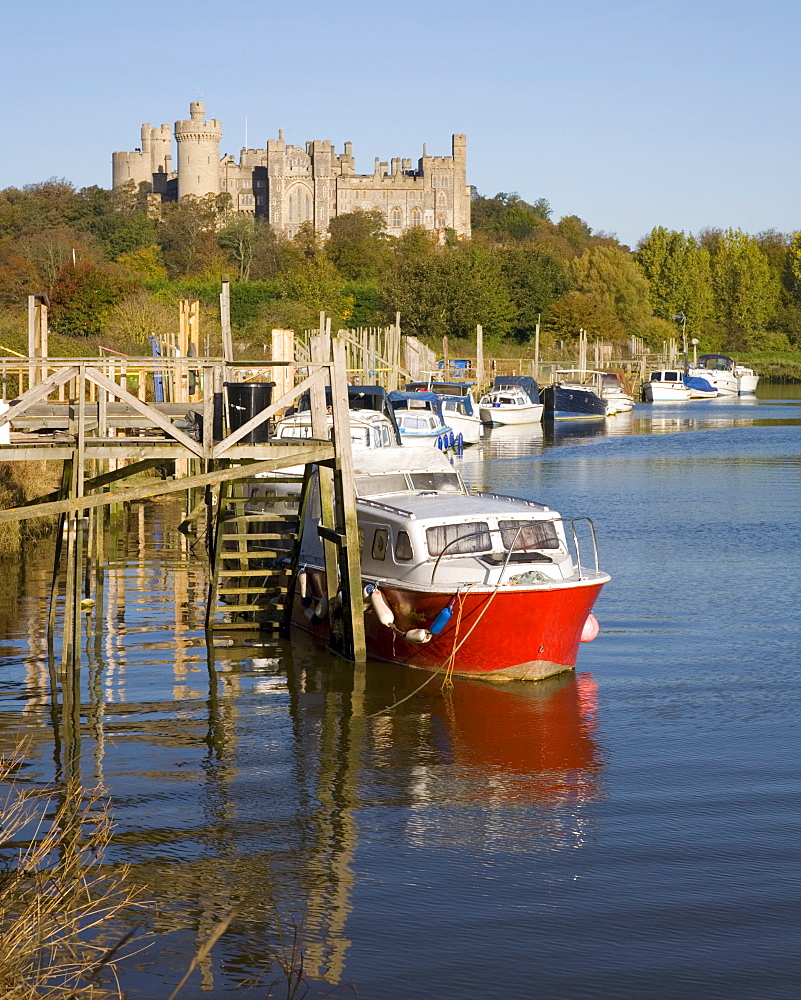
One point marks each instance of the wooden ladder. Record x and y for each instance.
(255, 548)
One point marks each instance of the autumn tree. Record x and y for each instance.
(188, 235)
(83, 295)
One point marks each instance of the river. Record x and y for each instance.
(631, 830)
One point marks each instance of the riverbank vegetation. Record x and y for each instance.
(114, 267)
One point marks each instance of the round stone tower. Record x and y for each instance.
(198, 153)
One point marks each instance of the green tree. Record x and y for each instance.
(535, 277)
(358, 244)
(678, 274)
(745, 290)
(507, 216)
(608, 274)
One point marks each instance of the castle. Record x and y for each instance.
(289, 185)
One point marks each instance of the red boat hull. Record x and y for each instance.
(513, 634)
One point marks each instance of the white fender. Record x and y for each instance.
(418, 635)
(303, 583)
(381, 608)
(321, 611)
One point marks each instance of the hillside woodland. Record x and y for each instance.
(114, 270)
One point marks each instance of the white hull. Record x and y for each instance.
(665, 392)
(747, 384)
(512, 415)
(470, 428)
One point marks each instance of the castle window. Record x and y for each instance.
(396, 218)
(308, 208)
(441, 222)
(417, 217)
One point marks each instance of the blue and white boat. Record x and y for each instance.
(459, 409)
(420, 419)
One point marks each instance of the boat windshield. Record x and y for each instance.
(525, 536)
(373, 486)
(442, 482)
(460, 539)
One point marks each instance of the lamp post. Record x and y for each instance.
(695, 350)
(681, 318)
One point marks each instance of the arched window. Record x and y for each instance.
(417, 217)
(441, 223)
(396, 218)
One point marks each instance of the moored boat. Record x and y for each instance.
(718, 370)
(665, 386)
(747, 380)
(513, 399)
(574, 395)
(459, 409)
(477, 585)
(616, 390)
(421, 420)
(699, 387)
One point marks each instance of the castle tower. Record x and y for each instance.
(461, 191)
(198, 153)
(152, 158)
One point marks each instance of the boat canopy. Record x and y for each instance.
(524, 382)
(715, 362)
(402, 400)
(442, 388)
(360, 397)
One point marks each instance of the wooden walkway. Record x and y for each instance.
(105, 436)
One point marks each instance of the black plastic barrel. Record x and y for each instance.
(245, 400)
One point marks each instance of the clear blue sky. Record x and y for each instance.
(628, 113)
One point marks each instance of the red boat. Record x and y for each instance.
(474, 585)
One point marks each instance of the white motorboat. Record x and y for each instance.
(459, 409)
(718, 370)
(513, 399)
(616, 390)
(747, 380)
(421, 420)
(665, 386)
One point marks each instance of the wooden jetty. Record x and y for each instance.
(83, 414)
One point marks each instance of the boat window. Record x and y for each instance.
(442, 482)
(380, 539)
(672, 377)
(656, 376)
(295, 431)
(403, 547)
(385, 438)
(471, 537)
(523, 536)
(360, 437)
(370, 486)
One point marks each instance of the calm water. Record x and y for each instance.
(629, 831)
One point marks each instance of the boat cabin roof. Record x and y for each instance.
(442, 388)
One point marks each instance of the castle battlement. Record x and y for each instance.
(291, 184)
